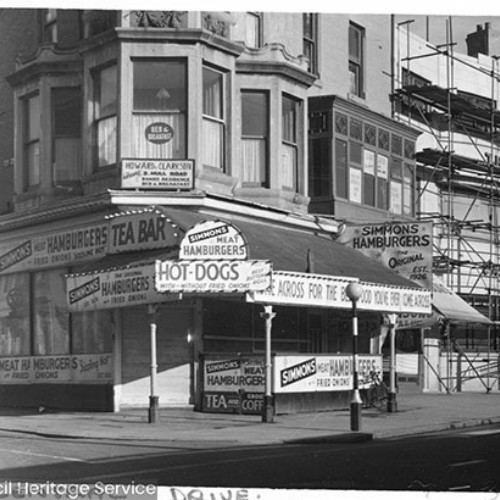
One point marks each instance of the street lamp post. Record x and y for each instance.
(353, 292)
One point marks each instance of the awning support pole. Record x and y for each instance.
(268, 406)
(154, 413)
(392, 404)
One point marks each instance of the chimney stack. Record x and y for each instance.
(478, 42)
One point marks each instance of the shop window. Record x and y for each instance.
(31, 144)
(290, 153)
(253, 30)
(159, 97)
(341, 180)
(370, 135)
(382, 181)
(92, 332)
(408, 190)
(49, 313)
(50, 26)
(396, 186)
(356, 60)
(320, 167)
(310, 40)
(66, 145)
(255, 136)
(369, 176)
(105, 108)
(213, 118)
(15, 314)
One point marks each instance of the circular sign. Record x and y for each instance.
(159, 133)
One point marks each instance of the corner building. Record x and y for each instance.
(131, 127)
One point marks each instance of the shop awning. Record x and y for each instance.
(298, 250)
(452, 307)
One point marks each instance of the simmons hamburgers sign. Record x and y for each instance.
(213, 258)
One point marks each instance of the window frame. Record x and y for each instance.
(265, 181)
(310, 41)
(259, 31)
(28, 141)
(99, 116)
(357, 61)
(292, 142)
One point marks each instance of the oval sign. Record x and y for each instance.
(159, 133)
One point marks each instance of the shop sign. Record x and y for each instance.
(214, 240)
(233, 384)
(313, 290)
(81, 368)
(115, 288)
(404, 247)
(205, 276)
(143, 230)
(246, 403)
(159, 133)
(325, 373)
(233, 375)
(59, 248)
(158, 174)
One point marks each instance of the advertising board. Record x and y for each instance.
(304, 289)
(200, 276)
(114, 288)
(157, 174)
(321, 373)
(81, 368)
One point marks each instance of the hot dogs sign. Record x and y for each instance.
(213, 259)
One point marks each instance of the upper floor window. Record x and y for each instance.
(67, 129)
(50, 26)
(105, 108)
(253, 29)
(255, 136)
(213, 118)
(159, 106)
(310, 40)
(356, 60)
(290, 155)
(31, 141)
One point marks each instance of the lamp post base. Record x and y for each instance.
(355, 415)
(392, 404)
(154, 409)
(268, 409)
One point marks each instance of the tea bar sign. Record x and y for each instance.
(158, 174)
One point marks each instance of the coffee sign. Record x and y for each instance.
(159, 133)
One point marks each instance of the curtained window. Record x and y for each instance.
(213, 118)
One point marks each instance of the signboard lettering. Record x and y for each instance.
(159, 133)
(213, 240)
(85, 368)
(212, 276)
(114, 288)
(158, 174)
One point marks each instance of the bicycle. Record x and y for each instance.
(377, 394)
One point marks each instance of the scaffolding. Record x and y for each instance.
(465, 188)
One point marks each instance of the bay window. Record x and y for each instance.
(159, 101)
(255, 135)
(31, 144)
(66, 145)
(213, 118)
(105, 109)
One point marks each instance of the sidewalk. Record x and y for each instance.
(417, 413)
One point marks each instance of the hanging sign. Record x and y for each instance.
(159, 133)
(404, 247)
(115, 288)
(194, 276)
(158, 174)
(214, 240)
